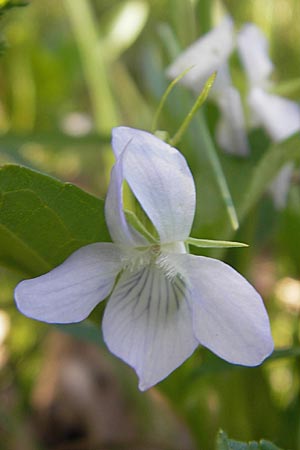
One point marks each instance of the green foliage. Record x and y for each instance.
(6, 5)
(223, 443)
(43, 220)
(70, 56)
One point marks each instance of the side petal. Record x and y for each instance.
(69, 292)
(148, 324)
(205, 56)
(120, 231)
(278, 115)
(253, 50)
(229, 316)
(161, 180)
(231, 129)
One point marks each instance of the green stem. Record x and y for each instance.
(212, 155)
(164, 98)
(198, 103)
(94, 64)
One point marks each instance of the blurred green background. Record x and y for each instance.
(69, 72)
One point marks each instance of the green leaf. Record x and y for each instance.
(223, 443)
(209, 243)
(42, 220)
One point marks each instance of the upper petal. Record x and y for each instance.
(206, 55)
(278, 115)
(229, 316)
(161, 180)
(69, 292)
(148, 324)
(253, 50)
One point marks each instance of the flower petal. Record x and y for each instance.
(159, 177)
(278, 115)
(279, 188)
(148, 324)
(253, 50)
(69, 292)
(231, 129)
(229, 316)
(207, 55)
(120, 231)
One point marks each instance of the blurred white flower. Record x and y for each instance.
(279, 116)
(163, 301)
(208, 54)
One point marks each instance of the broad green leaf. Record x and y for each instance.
(223, 443)
(42, 220)
(209, 243)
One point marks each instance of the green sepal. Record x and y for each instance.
(209, 243)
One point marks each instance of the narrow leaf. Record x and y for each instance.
(209, 243)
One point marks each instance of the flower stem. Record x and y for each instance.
(212, 155)
(94, 64)
(164, 98)
(198, 103)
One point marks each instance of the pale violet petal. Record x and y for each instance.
(231, 128)
(280, 186)
(148, 323)
(120, 231)
(278, 115)
(222, 81)
(161, 180)
(229, 316)
(69, 292)
(253, 50)
(206, 55)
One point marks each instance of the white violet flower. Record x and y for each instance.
(206, 55)
(279, 116)
(163, 301)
